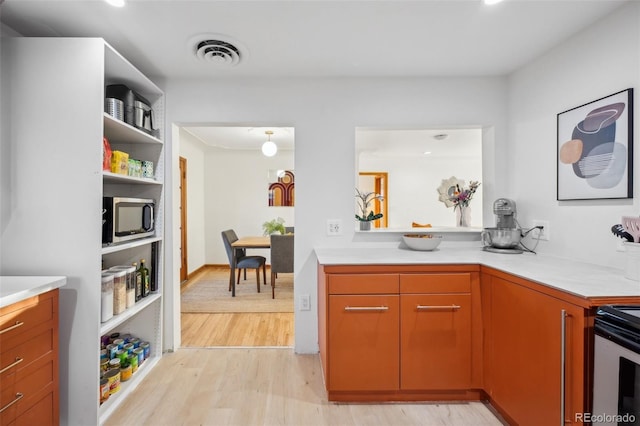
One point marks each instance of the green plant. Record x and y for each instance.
(364, 200)
(273, 226)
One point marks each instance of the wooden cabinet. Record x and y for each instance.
(536, 354)
(29, 361)
(56, 113)
(435, 332)
(401, 333)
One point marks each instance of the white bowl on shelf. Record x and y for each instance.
(424, 242)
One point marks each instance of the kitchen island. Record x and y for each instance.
(459, 323)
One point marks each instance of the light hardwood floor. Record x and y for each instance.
(234, 329)
(268, 386)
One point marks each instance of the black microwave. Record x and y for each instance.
(126, 219)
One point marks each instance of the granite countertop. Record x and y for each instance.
(578, 278)
(14, 289)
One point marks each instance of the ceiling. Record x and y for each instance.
(301, 38)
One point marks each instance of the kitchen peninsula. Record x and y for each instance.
(463, 324)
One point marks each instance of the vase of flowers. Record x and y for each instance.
(454, 194)
(367, 216)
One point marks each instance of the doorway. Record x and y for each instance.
(228, 181)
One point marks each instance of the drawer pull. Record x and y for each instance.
(13, 364)
(434, 308)
(16, 325)
(19, 396)
(366, 308)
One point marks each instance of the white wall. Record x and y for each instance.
(325, 114)
(193, 150)
(598, 62)
(413, 183)
(236, 197)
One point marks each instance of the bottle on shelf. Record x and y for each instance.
(144, 274)
(138, 282)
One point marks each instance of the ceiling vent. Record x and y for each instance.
(218, 50)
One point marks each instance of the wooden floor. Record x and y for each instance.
(234, 329)
(268, 386)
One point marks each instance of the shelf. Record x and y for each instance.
(126, 388)
(116, 178)
(117, 320)
(114, 248)
(118, 131)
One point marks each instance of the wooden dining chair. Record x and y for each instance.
(281, 257)
(243, 262)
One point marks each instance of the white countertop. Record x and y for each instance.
(14, 289)
(581, 279)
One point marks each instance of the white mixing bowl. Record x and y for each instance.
(422, 241)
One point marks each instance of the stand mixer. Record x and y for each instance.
(505, 237)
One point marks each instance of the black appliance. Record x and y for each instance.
(137, 110)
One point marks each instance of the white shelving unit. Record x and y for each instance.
(53, 125)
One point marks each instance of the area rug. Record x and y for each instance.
(209, 293)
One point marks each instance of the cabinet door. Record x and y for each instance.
(363, 342)
(435, 341)
(527, 351)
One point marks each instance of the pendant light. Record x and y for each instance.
(269, 148)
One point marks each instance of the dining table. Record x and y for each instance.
(261, 242)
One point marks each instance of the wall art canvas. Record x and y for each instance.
(595, 149)
(282, 191)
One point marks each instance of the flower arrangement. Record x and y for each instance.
(364, 200)
(454, 194)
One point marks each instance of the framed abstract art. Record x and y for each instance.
(595, 149)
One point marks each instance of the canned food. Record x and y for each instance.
(135, 341)
(122, 354)
(133, 360)
(147, 349)
(104, 390)
(119, 342)
(125, 372)
(114, 364)
(128, 348)
(104, 364)
(139, 352)
(111, 350)
(113, 378)
(103, 354)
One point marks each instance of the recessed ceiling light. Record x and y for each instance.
(427, 152)
(490, 2)
(116, 3)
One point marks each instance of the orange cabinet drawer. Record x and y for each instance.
(18, 358)
(22, 316)
(18, 396)
(435, 283)
(363, 284)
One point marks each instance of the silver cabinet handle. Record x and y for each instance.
(433, 308)
(16, 325)
(366, 308)
(563, 347)
(13, 364)
(19, 396)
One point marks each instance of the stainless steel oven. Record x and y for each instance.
(616, 370)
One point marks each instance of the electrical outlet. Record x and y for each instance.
(541, 234)
(334, 227)
(305, 302)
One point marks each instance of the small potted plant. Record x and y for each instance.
(366, 216)
(274, 226)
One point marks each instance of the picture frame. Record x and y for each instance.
(595, 149)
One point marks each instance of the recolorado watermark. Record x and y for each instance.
(605, 418)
